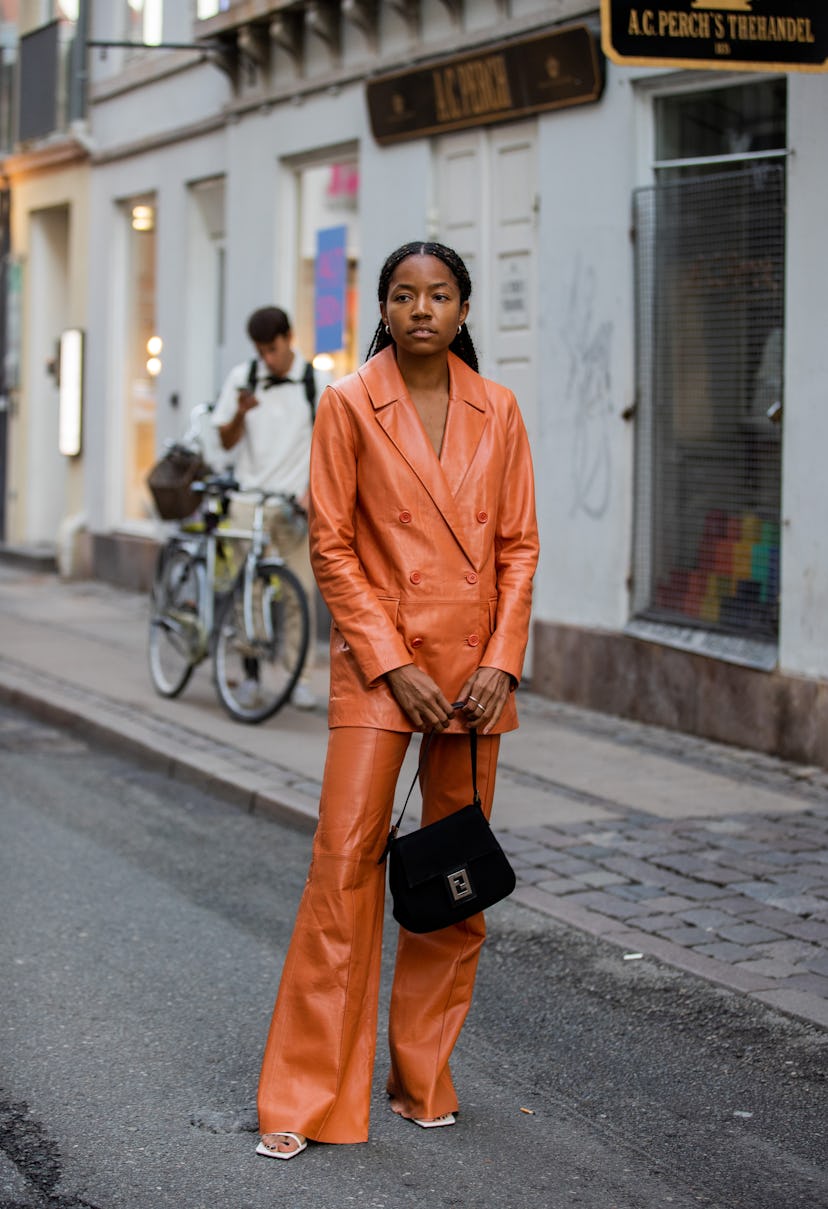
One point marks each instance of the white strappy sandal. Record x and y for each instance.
(447, 1118)
(270, 1153)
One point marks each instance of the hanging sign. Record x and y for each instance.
(497, 84)
(330, 273)
(753, 35)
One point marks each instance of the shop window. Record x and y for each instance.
(710, 269)
(328, 202)
(145, 20)
(144, 356)
(209, 8)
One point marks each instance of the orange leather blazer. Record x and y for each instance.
(419, 559)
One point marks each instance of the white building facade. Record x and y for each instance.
(650, 273)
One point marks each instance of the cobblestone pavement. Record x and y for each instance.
(744, 897)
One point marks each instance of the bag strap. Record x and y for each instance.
(424, 746)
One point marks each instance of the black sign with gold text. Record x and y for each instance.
(497, 84)
(760, 35)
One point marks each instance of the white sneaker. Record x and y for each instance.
(248, 695)
(303, 696)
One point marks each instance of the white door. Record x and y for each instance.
(486, 204)
(486, 208)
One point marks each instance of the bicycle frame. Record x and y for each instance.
(251, 564)
(187, 574)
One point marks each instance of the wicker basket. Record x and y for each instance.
(170, 482)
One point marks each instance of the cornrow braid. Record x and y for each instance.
(462, 345)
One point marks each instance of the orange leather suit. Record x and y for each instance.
(420, 560)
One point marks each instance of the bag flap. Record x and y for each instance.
(451, 843)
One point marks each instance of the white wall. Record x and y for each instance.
(395, 193)
(47, 298)
(804, 570)
(586, 341)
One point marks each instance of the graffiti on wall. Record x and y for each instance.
(588, 393)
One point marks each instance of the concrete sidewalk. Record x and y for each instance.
(711, 859)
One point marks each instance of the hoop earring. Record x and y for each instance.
(460, 329)
(387, 330)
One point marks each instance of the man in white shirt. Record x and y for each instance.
(264, 415)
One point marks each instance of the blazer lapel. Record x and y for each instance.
(467, 418)
(442, 478)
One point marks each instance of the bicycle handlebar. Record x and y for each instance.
(226, 484)
(216, 484)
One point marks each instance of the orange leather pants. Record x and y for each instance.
(318, 1063)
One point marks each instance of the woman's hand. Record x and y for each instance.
(419, 697)
(485, 694)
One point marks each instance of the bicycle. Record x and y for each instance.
(254, 621)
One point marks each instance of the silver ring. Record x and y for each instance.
(483, 707)
(474, 699)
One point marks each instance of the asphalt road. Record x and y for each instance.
(144, 923)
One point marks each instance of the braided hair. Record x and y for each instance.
(462, 344)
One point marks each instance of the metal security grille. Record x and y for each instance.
(710, 322)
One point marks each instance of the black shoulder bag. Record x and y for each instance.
(450, 869)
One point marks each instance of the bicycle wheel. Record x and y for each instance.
(258, 661)
(176, 640)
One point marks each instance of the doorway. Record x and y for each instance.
(486, 202)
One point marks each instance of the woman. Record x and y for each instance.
(424, 545)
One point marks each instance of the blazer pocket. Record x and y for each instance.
(391, 604)
(492, 603)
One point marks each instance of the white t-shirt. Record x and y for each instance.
(274, 449)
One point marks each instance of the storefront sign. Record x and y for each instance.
(498, 84)
(760, 35)
(330, 289)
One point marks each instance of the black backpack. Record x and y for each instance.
(307, 378)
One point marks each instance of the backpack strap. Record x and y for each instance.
(310, 389)
(308, 381)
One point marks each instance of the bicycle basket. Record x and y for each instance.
(170, 482)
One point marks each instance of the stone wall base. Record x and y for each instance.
(782, 715)
(123, 559)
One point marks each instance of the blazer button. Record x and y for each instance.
(416, 577)
(471, 577)
(482, 517)
(416, 642)
(473, 640)
(405, 517)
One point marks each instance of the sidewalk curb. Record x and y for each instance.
(800, 1004)
(248, 790)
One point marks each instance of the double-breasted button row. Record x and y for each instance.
(471, 640)
(416, 577)
(405, 517)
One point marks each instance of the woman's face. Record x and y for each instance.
(423, 307)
